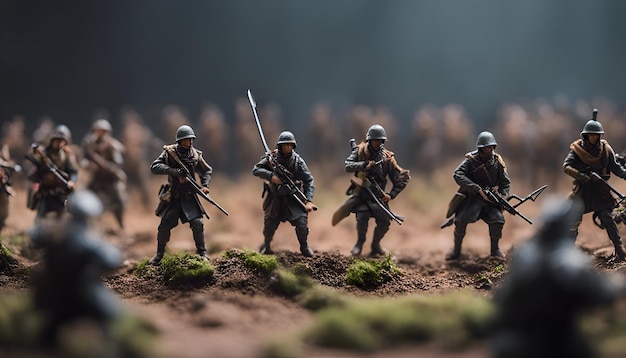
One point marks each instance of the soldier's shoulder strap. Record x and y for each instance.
(500, 160)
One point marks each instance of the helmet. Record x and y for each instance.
(61, 132)
(286, 137)
(84, 204)
(102, 124)
(184, 132)
(376, 132)
(593, 126)
(485, 139)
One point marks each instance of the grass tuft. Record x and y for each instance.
(370, 274)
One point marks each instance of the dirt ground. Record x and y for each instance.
(236, 315)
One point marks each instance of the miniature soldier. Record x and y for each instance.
(372, 164)
(7, 167)
(482, 168)
(281, 204)
(549, 284)
(105, 156)
(590, 162)
(54, 174)
(69, 286)
(178, 199)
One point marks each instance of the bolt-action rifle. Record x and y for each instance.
(49, 165)
(289, 186)
(374, 190)
(196, 187)
(503, 203)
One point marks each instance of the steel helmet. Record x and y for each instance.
(485, 139)
(593, 126)
(376, 132)
(61, 132)
(84, 204)
(102, 124)
(184, 132)
(286, 137)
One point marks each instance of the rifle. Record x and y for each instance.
(49, 165)
(504, 204)
(105, 165)
(289, 186)
(368, 183)
(196, 187)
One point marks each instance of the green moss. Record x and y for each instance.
(186, 268)
(371, 273)
(254, 260)
(291, 283)
(319, 297)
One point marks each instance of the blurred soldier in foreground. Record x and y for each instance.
(372, 164)
(177, 198)
(69, 286)
(54, 174)
(482, 169)
(7, 167)
(289, 189)
(590, 162)
(105, 156)
(548, 285)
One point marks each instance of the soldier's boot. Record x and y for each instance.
(162, 239)
(620, 253)
(379, 233)
(495, 234)
(198, 238)
(265, 247)
(455, 254)
(119, 216)
(361, 231)
(303, 232)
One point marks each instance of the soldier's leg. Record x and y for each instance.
(269, 228)
(459, 234)
(495, 234)
(197, 228)
(302, 232)
(362, 219)
(382, 226)
(168, 222)
(611, 229)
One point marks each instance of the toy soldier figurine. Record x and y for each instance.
(70, 287)
(178, 198)
(549, 284)
(289, 189)
(372, 164)
(590, 162)
(482, 168)
(108, 180)
(54, 174)
(7, 167)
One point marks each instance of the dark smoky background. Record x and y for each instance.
(434, 73)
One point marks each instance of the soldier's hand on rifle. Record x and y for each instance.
(370, 165)
(205, 190)
(276, 180)
(483, 195)
(583, 178)
(70, 185)
(310, 206)
(385, 198)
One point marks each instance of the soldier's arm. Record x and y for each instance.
(263, 169)
(204, 170)
(352, 163)
(461, 178)
(615, 167)
(307, 180)
(160, 166)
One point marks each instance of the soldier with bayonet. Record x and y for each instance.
(590, 161)
(104, 156)
(482, 170)
(54, 174)
(288, 192)
(372, 164)
(178, 200)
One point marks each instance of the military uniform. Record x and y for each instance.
(584, 159)
(108, 180)
(182, 203)
(278, 204)
(50, 193)
(476, 172)
(6, 168)
(361, 202)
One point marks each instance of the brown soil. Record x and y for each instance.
(238, 312)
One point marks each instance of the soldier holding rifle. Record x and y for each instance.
(590, 161)
(178, 200)
(372, 164)
(54, 174)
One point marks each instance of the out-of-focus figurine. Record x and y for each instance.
(54, 173)
(105, 158)
(69, 285)
(7, 167)
(548, 285)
